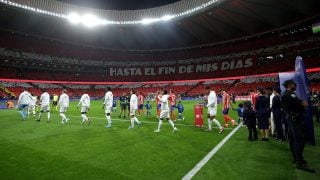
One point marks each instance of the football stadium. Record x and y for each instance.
(160, 89)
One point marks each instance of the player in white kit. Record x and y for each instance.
(165, 111)
(44, 105)
(133, 109)
(107, 105)
(64, 105)
(32, 106)
(23, 102)
(212, 110)
(85, 106)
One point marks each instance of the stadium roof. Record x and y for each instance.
(227, 20)
(120, 4)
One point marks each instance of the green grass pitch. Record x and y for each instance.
(32, 150)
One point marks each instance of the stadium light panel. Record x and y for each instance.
(148, 21)
(167, 17)
(87, 20)
(74, 18)
(90, 20)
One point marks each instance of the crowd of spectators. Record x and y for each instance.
(237, 87)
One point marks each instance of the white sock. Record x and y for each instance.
(136, 120)
(84, 117)
(63, 116)
(217, 123)
(170, 121)
(109, 120)
(159, 125)
(132, 122)
(209, 124)
(40, 115)
(48, 116)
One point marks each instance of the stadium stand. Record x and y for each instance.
(29, 57)
(237, 87)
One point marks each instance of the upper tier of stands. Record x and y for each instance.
(40, 45)
(31, 57)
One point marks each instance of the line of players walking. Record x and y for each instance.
(166, 104)
(27, 103)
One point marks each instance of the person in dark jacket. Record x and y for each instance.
(240, 110)
(295, 111)
(262, 108)
(180, 108)
(277, 113)
(249, 117)
(123, 104)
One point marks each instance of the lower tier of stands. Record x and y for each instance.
(239, 86)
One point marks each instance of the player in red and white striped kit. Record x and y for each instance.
(253, 98)
(158, 102)
(172, 100)
(140, 103)
(226, 104)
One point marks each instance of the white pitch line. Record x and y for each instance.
(146, 122)
(197, 168)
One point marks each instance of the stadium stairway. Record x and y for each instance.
(193, 87)
(235, 82)
(35, 86)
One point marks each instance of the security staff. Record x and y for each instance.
(277, 113)
(315, 101)
(295, 110)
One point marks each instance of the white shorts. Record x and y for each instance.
(63, 109)
(132, 112)
(212, 111)
(32, 107)
(84, 109)
(164, 114)
(45, 108)
(107, 110)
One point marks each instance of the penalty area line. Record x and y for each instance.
(204, 161)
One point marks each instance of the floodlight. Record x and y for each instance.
(167, 17)
(148, 21)
(74, 18)
(90, 20)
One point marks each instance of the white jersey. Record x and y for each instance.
(212, 100)
(108, 99)
(64, 100)
(271, 98)
(33, 101)
(24, 98)
(84, 100)
(164, 102)
(45, 99)
(134, 102)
